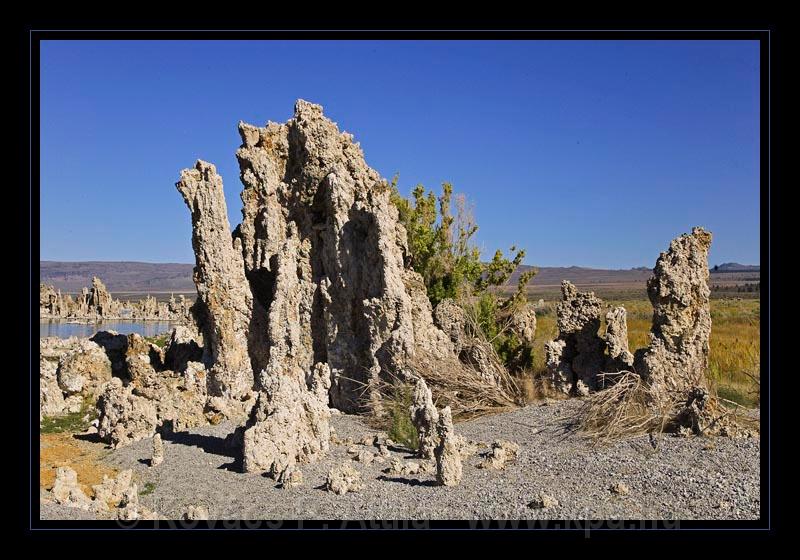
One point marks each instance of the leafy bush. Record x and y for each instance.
(442, 250)
(447, 261)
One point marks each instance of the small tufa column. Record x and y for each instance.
(676, 359)
(448, 457)
(221, 283)
(424, 417)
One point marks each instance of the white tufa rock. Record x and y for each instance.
(424, 417)
(124, 417)
(157, 456)
(448, 457)
(343, 479)
(66, 490)
(501, 453)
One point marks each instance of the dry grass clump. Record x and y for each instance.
(464, 390)
(622, 410)
(628, 408)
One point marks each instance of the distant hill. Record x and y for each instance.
(736, 267)
(118, 276)
(177, 277)
(552, 276)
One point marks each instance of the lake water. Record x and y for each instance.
(64, 329)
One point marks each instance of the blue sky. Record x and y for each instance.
(587, 153)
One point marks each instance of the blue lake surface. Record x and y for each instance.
(65, 329)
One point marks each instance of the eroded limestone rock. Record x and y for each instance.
(221, 284)
(619, 358)
(124, 417)
(289, 423)
(543, 501)
(343, 479)
(576, 357)
(67, 491)
(84, 370)
(449, 317)
(316, 214)
(196, 513)
(424, 416)
(677, 357)
(51, 399)
(112, 490)
(183, 347)
(157, 453)
(501, 453)
(448, 458)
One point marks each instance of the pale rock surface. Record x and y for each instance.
(124, 417)
(157, 456)
(619, 358)
(84, 370)
(291, 478)
(576, 357)
(448, 458)
(325, 253)
(112, 490)
(221, 284)
(184, 346)
(342, 479)
(51, 399)
(196, 513)
(501, 453)
(677, 357)
(424, 416)
(289, 423)
(523, 324)
(449, 317)
(543, 501)
(67, 491)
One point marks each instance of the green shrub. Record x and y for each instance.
(442, 250)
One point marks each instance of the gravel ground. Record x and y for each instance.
(668, 477)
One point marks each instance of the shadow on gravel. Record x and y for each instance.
(408, 481)
(210, 444)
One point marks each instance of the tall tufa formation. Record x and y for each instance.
(576, 357)
(100, 299)
(619, 358)
(221, 284)
(309, 300)
(677, 357)
(324, 254)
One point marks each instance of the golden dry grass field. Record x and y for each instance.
(734, 361)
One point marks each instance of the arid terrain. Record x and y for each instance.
(642, 478)
(347, 354)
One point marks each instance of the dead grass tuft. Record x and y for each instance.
(621, 411)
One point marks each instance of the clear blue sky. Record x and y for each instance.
(583, 152)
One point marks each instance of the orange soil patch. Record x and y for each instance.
(63, 450)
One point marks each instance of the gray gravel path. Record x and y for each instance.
(668, 477)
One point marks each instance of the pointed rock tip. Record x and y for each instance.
(205, 167)
(306, 109)
(249, 134)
